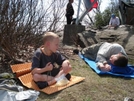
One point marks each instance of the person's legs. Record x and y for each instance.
(91, 51)
(69, 19)
(44, 80)
(42, 77)
(64, 71)
(116, 27)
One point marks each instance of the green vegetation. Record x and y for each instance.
(102, 19)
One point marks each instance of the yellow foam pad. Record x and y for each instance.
(23, 72)
(27, 81)
(21, 69)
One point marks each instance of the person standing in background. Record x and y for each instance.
(69, 11)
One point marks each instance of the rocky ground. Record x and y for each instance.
(123, 35)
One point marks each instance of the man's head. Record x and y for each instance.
(119, 60)
(51, 41)
(113, 16)
(71, 1)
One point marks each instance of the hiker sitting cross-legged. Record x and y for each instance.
(45, 60)
(105, 54)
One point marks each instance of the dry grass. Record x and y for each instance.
(94, 88)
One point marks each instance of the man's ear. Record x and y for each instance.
(47, 43)
(120, 53)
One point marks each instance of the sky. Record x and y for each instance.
(104, 4)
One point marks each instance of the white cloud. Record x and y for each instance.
(104, 4)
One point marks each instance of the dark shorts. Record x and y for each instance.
(44, 84)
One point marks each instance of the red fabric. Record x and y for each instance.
(95, 4)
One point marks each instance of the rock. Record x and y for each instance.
(87, 38)
(123, 35)
(70, 36)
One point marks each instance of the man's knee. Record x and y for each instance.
(67, 69)
(36, 77)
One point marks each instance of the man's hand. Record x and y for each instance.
(49, 66)
(38, 70)
(109, 26)
(107, 67)
(104, 67)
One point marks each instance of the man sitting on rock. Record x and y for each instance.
(114, 21)
(105, 54)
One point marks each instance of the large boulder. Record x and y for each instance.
(87, 38)
(124, 35)
(70, 36)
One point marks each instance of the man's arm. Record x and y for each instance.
(102, 63)
(37, 70)
(68, 7)
(110, 22)
(104, 66)
(118, 21)
(100, 58)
